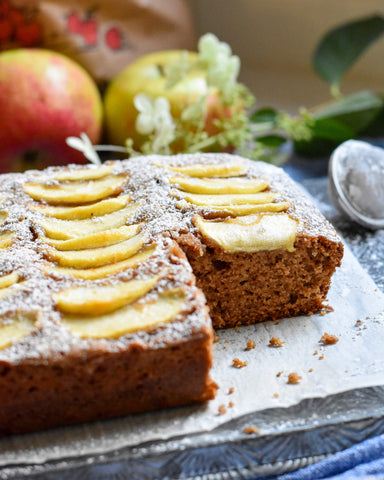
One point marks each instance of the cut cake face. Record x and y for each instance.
(100, 315)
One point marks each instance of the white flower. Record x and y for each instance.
(84, 145)
(155, 117)
(210, 48)
(222, 67)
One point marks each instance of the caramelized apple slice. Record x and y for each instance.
(13, 288)
(201, 170)
(76, 192)
(3, 216)
(251, 233)
(85, 211)
(219, 185)
(16, 326)
(219, 200)
(6, 239)
(240, 210)
(96, 301)
(105, 271)
(8, 280)
(95, 257)
(95, 240)
(131, 318)
(89, 173)
(67, 229)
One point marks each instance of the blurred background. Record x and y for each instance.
(275, 40)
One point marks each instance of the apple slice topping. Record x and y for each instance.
(251, 233)
(223, 200)
(88, 173)
(219, 185)
(8, 280)
(84, 211)
(67, 229)
(95, 301)
(240, 210)
(95, 240)
(6, 239)
(16, 327)
(95, 257)
(76, 192)
(3, 216)
(104, 271)
(13, 288)
(201, 170)
(131, 318)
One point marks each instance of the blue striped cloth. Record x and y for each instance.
(362, 461)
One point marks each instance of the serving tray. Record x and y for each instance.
(338, 403)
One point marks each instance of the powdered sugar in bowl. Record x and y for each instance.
(356, 181)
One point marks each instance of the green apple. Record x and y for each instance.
(148, 75)
(44, 98)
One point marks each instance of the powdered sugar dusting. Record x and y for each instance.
(164, 221)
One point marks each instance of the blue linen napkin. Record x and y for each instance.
(362, 461)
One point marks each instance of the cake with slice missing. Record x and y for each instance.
(106, 273)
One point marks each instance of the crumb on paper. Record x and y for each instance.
(231, 390)
(321, 357)
(315, 352)
(328, 339)
(237, 329)
(216, 339)
(250, 345)
(230, 404)
(279, 373)
(276, 395)
(237, 363)
(310, 370)
(250, 430)
(226, 341)
(277, 322)
(358, 322)
(294, 378)
(276, 342)
(326, 309)
(221, 410)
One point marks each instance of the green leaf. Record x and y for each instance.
(264, 115)
(339, 49)
(355, 111)
(271, 141)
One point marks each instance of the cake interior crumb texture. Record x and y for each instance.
(111, 278)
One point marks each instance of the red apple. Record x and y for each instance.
(44, 98)
(146, 75)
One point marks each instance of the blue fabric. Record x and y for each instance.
(362, 461)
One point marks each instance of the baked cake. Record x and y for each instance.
(102, 271)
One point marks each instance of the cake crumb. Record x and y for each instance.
(321, 357)
(216, 339)
(328, 339)
(226, 341)
(275, 342)
(294, 378)
(237, 363)
(279, 373)
(276, 395)
(250, 430)
(221, 410)
(310, 370)
(358, 321)
(237, 329)
(277, 322)
(231, 390)
(230, 404)
(315, 352)
(250, 345)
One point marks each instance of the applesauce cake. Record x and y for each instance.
(107, 273)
